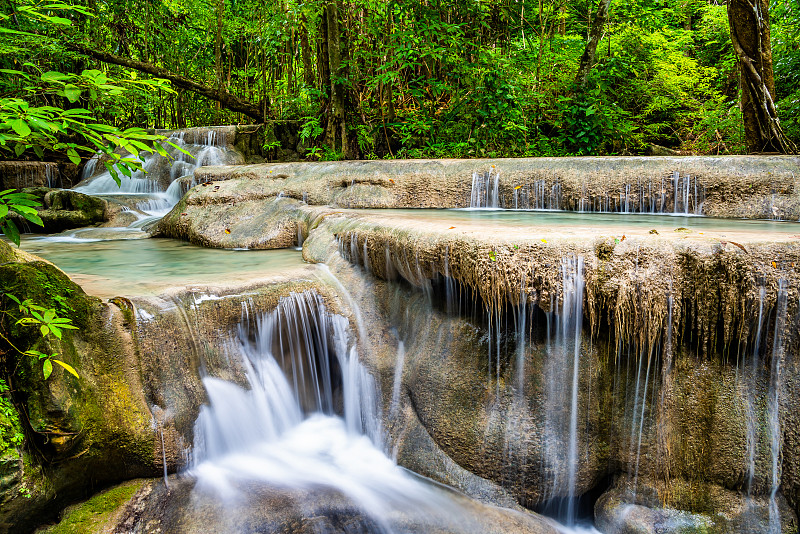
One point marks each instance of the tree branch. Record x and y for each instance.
(226, 99)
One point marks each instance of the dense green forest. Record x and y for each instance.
(369, 79)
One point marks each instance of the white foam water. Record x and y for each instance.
(283, 431)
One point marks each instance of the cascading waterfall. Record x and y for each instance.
(162, 182)
(398, 378)
(775, 386)
(647, 387)
(563, 390)
(301, 369)
(752, 386)
(572, 308)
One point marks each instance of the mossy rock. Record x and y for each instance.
(98, 513)
(63, 209)
(83, 433)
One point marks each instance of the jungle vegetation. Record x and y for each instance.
(464, 78)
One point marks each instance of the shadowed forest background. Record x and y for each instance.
(372, 79)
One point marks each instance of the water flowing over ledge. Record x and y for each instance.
(763, 187)
(639, 369)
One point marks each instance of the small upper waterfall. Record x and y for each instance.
(485, 189)
(163, 181)
(675, 195)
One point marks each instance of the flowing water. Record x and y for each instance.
(310, 418)
(564, 350)
(680, 195)
(162, 181)
(308, 411)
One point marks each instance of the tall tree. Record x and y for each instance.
(749, 24)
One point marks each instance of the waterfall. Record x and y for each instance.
(162, 181)
(563, 390)
(572, 313)
(485, 189)
(648, 195)
(752, 386)
(398, 378)
(773, 411)
(297, 361)
(307, 419)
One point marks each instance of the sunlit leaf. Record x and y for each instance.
(68, 368)
(47, 368)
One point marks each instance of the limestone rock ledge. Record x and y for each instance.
(722, 186)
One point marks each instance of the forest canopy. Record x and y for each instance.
(366, 78)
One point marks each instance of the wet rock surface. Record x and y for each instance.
(676, 375)
(656, 507)
(183, 508)
(64, 209)
(729, 186)
(22, 174)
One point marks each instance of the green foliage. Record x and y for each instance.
(49, 324)
(720, 129)
(11, 435)
(22, 204)
(586, 122)
(310, 129)
(26, 126)
(786, 53)
(453, 79)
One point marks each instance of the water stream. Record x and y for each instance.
(308, 412)
(162, 182)
(309, 417)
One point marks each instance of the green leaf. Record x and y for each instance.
(78, 112)
(20, 127)
(34, 218)
(10, 230)
(68, 367)
(47, 368)
(60, 21)
(72, 92)
(73, 156)
(45, 330)
(53, 76)
(22, 209)
(56, 332)
(160, 150)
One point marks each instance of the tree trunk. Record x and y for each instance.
(323, 62)
(335, 44)
(179, 104)
(590, 52)
(336, 114)
(305, 50)
(229, 101)
(220, 8)
(749, 24)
